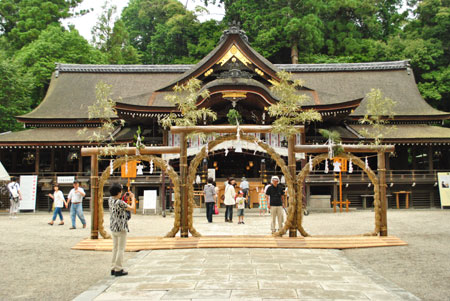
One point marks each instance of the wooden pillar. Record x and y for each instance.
(383, 198)
(165, 137)
(183, 188)
(80, 162)
(36, 162)
(94, 196)
(292, 171)
(430, 158)
(163, 193)
(52, 159)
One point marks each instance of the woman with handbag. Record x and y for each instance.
(119, 226)
(210, 197)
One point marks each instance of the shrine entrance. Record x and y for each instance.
(184, 196)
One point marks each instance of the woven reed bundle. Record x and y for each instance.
(357, 161)
(159, 162)
(202, 154)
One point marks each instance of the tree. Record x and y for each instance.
(110, 37)
(15, 91)
(55, 44)
(379, 111)
(288, 110)
(164, 32)
(185, 97)
(23, 21)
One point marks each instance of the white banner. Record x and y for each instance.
(28, 188)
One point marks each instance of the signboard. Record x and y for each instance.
(444, 188)
(212, 173)
(149, 200)
(65, 180)
(28, 188)
(128, 170)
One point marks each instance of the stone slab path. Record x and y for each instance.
(245, 274)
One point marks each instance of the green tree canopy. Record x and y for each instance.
(22, 21)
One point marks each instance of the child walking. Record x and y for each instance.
(59, 200)
(262, 204)
(240, 202)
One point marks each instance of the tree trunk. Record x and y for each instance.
(294, 52)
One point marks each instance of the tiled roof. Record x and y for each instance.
(395, 65)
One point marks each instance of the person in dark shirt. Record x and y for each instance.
(276, 203)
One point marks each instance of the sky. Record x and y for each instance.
(85, 23)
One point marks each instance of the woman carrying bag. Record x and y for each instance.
(119, 226)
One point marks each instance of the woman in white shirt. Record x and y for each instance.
(230, 200)
(59, 201)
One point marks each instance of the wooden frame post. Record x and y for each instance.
(292, 171)
(383, 198)
(183, 189)
(36, 161)
(94, 196)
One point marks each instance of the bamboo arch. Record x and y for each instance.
(372, 176)
(159, 162)
(273, 154)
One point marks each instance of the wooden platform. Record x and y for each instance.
(135, 244)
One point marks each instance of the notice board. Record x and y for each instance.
(444, 188)
(28, 188)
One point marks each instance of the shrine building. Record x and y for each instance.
(239, 78)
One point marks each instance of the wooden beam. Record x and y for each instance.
(347, 148)
(383, 197)
(227, 129)
(292, 170)
(153, 150)
(184, 186)
(94, 197)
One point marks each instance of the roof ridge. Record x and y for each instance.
(88, 68)
(390, 65)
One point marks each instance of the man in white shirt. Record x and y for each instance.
(76, 197)
(14, 197)
(245, 187)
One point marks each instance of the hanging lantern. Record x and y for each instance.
(250, 163)
(350, 166)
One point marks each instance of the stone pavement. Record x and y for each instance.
(245, 274)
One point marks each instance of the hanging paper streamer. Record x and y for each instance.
(367, 163)
(350, 166)
(310, 164)
(326, 166)
(139, 169)
(111, 167)
(226, 152)
(151, 166)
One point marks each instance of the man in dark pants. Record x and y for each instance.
(276, 203)
(210, 199)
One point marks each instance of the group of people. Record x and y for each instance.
(75, 197)
(273, 198)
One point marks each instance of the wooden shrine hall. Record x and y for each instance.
(239, 78)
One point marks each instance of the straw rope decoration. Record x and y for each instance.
(202, 154)
(159, 162)
(372, 176)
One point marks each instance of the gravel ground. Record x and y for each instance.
(38, 264)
